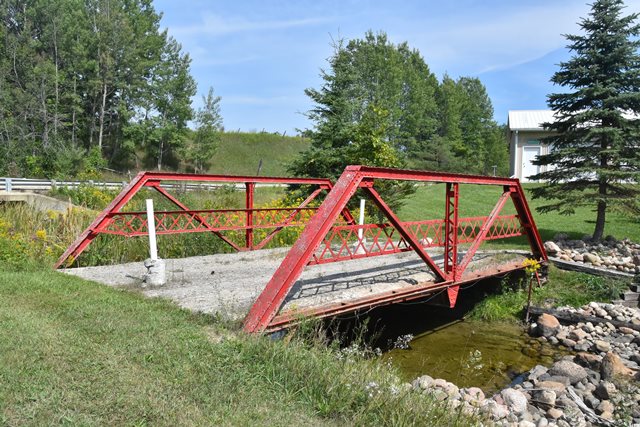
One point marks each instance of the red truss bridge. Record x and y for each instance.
(445, 246)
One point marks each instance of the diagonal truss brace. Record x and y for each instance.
(271, 299)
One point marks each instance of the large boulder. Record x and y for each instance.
(548, 325)
(571, 370)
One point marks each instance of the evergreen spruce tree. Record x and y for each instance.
(595, 147)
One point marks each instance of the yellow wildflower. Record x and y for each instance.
(41, 234)
(530, 265)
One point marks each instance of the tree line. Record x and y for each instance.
(92, 82)
(86, 84)
(380, 104)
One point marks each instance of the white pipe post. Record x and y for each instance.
(361, 219)
(151, 226)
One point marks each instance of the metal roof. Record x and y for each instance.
(529, 119)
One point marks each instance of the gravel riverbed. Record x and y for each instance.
(597, 385)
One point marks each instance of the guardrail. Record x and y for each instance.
(34, 185)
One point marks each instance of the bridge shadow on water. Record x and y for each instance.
(427, 337)
(381, 326)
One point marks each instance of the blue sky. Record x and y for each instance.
(259, 56)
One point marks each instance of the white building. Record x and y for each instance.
(525, 134)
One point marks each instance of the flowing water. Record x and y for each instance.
(472, 353)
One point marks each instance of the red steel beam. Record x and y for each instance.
(178, 203)
(408, 293)
(529, 225)
(249, 189)
(152, 179)
(425, 176)
(408, 237)
(87, 236)
(175, 176)
(271, 298)
(481, 237)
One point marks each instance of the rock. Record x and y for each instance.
(626, 331)
(588, 359)
(537, 371)
(548, 325)
(605, 390)
(559, 379)
(495, 410)
(515, 400)
(578, 258)
(422, 383)
(578, 334)
(591, 401)
(607, 415)
(574, 372)
(439, 394)
(605, 406)
(591, 257)
(525, 423)
(612, 366)
(555, 386)
(546, 398)
(602, 346)
(554, 413)
(475, 393)
(568, 343)
(551, 247)
(542, 422)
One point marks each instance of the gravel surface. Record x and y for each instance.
(228, 284)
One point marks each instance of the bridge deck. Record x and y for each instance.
(228, 284)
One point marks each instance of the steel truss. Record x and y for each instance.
(323, 241)
(113, 220)
(330, 233)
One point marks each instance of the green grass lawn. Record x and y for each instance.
(477, 200)
(74, 352)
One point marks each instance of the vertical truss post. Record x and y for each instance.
(451, 239)
(451, 230)
(249, 190)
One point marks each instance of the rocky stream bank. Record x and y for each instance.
(598, 384)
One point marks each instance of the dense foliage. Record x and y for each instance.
(595, 154)
(77, 75)
(386, 94)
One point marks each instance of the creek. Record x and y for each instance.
(443, 343)
(472, 354)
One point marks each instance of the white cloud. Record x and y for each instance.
(501, 40)
(216, 25)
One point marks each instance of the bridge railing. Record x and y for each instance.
(116, 220)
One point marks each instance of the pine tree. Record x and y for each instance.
(595, 150)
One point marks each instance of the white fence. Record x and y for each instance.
(38, 185)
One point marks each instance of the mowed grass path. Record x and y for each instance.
(74, 352)
(477, 200)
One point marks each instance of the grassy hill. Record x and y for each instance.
(239, 153)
